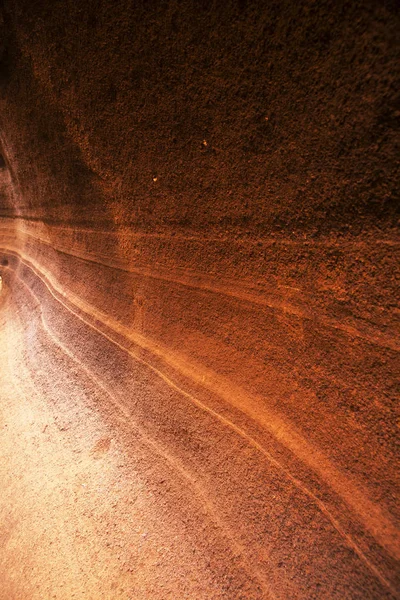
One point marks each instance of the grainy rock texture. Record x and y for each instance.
(198, 309)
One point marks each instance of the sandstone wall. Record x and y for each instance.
(200, 197)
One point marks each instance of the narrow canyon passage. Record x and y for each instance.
(199, 319)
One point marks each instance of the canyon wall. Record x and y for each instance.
(198, 245)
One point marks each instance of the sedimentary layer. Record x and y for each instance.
(199, 315)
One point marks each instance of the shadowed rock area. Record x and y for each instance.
(199, 318)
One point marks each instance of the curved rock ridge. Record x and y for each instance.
(199, 313)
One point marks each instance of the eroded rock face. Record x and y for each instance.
(199, 246)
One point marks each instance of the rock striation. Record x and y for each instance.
(199, 304)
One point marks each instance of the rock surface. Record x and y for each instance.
(199, 317)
